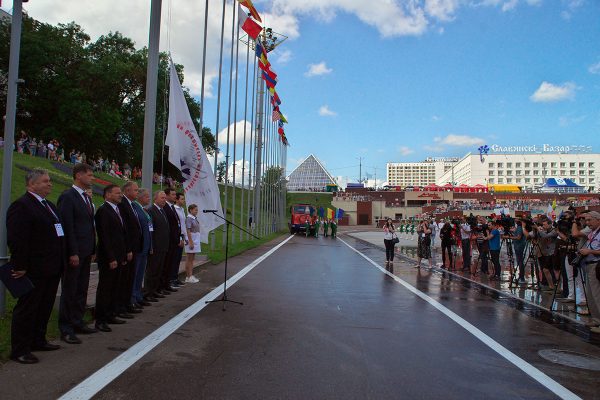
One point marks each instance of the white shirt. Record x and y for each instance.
(465, 231)
(181, 215)
(114, 206)
(81, 193)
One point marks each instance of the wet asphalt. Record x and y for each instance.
(320, 322)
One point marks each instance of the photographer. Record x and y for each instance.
(446, 236)
(482, 245)
(580, 232)
(465, 239)
(494, 244)
(519, 241)
(548, 236)
(591, 253)
(424, 242)
(566, 248)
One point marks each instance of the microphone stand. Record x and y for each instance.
(224, 298)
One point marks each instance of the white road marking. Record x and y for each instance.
(517, 361)
(105, 375)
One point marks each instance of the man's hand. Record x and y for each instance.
(113, 264)
(18, 274)
(585, 252)
(181, 243)
(129, 256)
(93, 258)
(74, 261)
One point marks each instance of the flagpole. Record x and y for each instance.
(258, 140)
(251, 153)
(226, 193)
(245, 215)
(235, 109)
(204, 71)
(151, 94)
(9, 133)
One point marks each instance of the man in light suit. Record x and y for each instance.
(141, 258)
(36, 240)
(160, 247)
(77, 216)
(113, 255)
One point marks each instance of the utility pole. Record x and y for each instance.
(359, 169)
(9, 132)
(151, 92)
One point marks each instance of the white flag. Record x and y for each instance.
(187, 154)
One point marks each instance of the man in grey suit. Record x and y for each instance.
(77, 216)
(160, 247)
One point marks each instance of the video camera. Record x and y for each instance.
(507, 222)
(471, 220)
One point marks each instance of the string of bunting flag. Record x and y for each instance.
(253, 29)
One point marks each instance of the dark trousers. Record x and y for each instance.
(483, 256)
(495, 255)
(519, 256)
(154, 271)
(389, 249)
(125, 285)
(140, 268)
(73, 296)
(466, 253)
(178, 254)
(447, 247)
(107, 294)
(165, 277)
(31, 314)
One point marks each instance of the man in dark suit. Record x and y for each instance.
(113, 255)
(77, 216)
(160, 247)
(134, 242)
(175, 242)
(141, 258)
(36, 241)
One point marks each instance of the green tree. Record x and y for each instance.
(221, 171)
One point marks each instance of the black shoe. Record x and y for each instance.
(137, 306)
(26, 359)
(150, 300)
(171, 289)
(133, 310)
(115, 321)
(85, 330)
(103, 327)
(70, 338)
(175, 285)
(180, 283)
(46, 347)
(158, 295)
(145, 302)
(125, 315)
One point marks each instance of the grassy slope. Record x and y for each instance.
(62, 181)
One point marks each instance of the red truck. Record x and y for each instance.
(300, 214)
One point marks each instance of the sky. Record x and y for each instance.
(376, 81)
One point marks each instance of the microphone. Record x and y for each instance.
(209, 211)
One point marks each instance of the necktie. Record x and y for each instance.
(119, 214)
(89, 203)
(164, 215)
(177, 215)
(45, 203)
(136, 214)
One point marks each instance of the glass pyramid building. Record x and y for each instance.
(310, 175)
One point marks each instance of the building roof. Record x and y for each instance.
(309, 175)
(560, 182)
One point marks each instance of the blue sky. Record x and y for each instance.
(395, 80)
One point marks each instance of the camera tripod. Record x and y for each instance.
(579, 269)
(514, 279)
(533, 247)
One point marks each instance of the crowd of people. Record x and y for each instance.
(564, 254)
(53, 150)
(136, 238)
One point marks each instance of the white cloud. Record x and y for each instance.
(318, 69)
(236, 129)
(594, 68)
(509, 5)
(459, 140)
(324, 111)
(436, 118)
(434, 149)
(442, 10)
(403, 150)
(283, 57)
(281, 22)
(549, 92)
(567, 120)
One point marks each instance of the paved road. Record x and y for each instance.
(320, 322)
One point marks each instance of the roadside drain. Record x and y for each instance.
(571, 359)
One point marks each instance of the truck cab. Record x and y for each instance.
(300, 214)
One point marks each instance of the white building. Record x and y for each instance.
(418, 173)
(529, 168)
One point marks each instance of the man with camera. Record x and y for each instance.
(519, 241)
(547, 244)
(580, 232)
(591, 257)
(465, 239)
